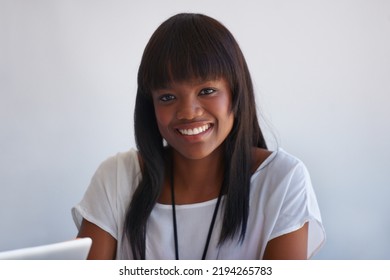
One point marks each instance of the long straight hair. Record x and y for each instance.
(184, 47)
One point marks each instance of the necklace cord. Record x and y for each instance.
(175, 222)
(212, 225)
(174, 216)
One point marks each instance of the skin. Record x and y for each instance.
(197, 158)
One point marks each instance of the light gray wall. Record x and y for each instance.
(321, 70)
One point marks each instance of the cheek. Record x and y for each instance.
(162, 118)
(229, 117)
(225, 107)
(225, 102)
(230, 122)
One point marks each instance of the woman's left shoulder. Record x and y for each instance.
(278, 161)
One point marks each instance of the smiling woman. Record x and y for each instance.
(202, 183)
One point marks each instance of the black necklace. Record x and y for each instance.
(175, 224)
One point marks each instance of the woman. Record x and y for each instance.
(202, 184)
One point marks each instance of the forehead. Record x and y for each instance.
(177, 75)
(195, 83)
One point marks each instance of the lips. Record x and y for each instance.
(195, 130)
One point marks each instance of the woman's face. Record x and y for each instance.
(194, 117)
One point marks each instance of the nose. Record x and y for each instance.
(189, 110)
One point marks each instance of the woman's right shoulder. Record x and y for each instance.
(121, 164)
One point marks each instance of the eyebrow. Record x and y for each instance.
(198, 82)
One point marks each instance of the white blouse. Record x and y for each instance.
(282, 200)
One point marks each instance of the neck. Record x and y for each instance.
(197, 180)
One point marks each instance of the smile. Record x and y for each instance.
(194, 131)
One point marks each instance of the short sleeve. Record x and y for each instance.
(99, 204)
(300, 206)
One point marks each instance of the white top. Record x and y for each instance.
(282, 200)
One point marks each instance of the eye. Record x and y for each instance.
(207, 91)
(166, 97)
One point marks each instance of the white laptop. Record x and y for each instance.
(76, 249)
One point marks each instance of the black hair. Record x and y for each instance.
(184, 47)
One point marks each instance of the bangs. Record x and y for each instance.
(189, 47)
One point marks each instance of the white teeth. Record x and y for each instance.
(194, 131)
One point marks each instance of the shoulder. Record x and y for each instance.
(116, 168)
(128, 158)
(281, 173)
(282, 191)
(113, 183)
(107, 196)
(278, 162)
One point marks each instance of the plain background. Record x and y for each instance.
(321, 71)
